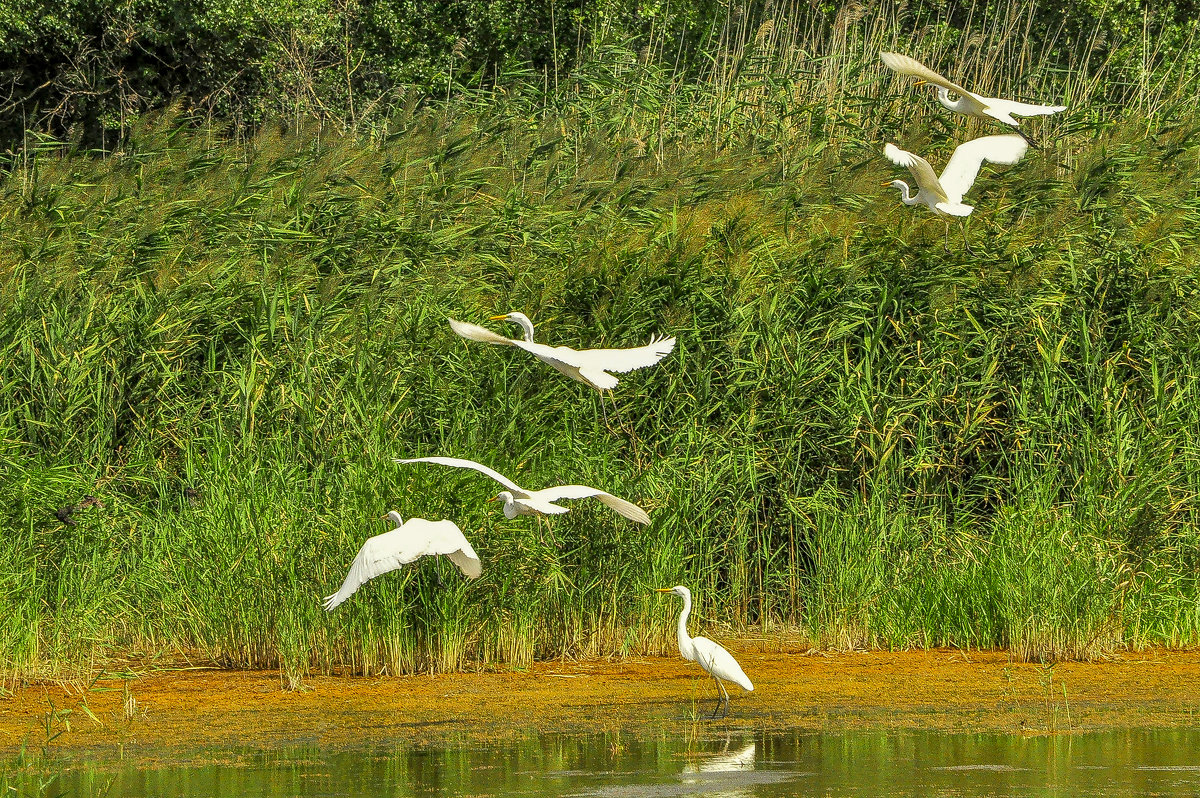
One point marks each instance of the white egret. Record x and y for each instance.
(410, 540)
(589, 366)
(969, 103)
(943, 193)
(715, 660)
(519, 501)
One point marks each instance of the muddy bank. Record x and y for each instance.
(933, 690)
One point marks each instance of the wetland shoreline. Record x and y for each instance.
(935, 690)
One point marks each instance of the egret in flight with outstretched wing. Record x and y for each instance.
(519, 501)
(943, 193)
(712, 657)
(411, 539)
(969, 103)
(589, 366)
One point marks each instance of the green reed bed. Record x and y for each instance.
(858, 435)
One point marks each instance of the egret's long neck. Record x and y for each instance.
(943, 95)
(905, 196)
(685, 640)
(527, 326)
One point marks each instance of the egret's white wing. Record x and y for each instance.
(543, 506)
(415, 538)
(719, 662)
(922, 172)
(444, 537)
(1022, 109)
(458, 462)
(911, 66)
(474, 332)
(626, 508)
(561, 357)
(622, 360)
(959, 175)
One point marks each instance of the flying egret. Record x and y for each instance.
(589, 366)
(519, 501)
(943, 193)
(1004, 111)
(411, 539)
(715, 660)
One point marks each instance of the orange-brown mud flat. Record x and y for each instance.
(932, 690)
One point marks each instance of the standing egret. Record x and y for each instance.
(589, 366)
(943, 193)
(411, 539)
(1004, 111)
(518, 501)
(715, 660)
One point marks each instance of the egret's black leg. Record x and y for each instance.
(725, 695)
(966, 240)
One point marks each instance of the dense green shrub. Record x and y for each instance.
(90, 68)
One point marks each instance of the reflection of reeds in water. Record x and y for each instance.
(859, 435)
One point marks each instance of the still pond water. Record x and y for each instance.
(1121, 763)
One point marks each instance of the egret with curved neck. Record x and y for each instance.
(905, 192)
(943, 194)
(968, 102)
(715, 660)
(519, 318)
(589, 366)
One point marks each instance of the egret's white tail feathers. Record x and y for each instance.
(719, 663)
(1024, 109)
(600, 380)
(954, 209)
(474, 332)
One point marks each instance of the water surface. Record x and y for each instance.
(1119, 763)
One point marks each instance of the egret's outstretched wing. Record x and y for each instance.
(922, 172)
(474, 332)
(719, 662)
(1023, 109)
(911, 66)
(415, 538)
(616, 503)
(622, 360)
(444, 537)
(562, 357)
(959, 175)
(458, 462)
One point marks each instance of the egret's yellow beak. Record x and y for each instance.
(501, 317)
(663, 589)
(494, 498)
(886, 184)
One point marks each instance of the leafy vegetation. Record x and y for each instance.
(226, 340)
(90, 69)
